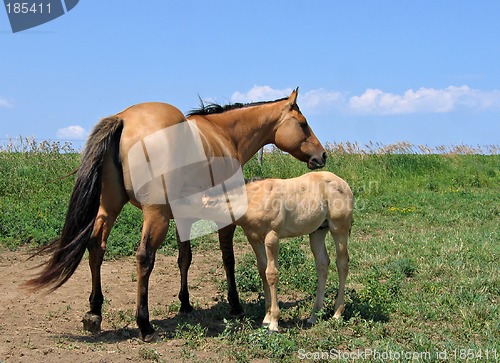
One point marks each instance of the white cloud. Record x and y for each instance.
(260, 93)
(313, 101)
(377, 102)
(73, 132)
(321, 100)
(430, 100)
(5, 103)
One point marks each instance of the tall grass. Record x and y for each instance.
(424, 251)
(405, 147)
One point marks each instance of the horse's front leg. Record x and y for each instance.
(226, 235)
(322, 261)
(184, 261)
(153, 233)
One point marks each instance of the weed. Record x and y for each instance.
(150, 354)
(403, 266)
(262, 344)
(193, 335)
(247, 275)
(120, 319)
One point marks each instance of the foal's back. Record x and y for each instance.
(297, 206)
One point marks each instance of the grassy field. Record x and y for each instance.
(424, 256)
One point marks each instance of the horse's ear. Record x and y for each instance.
(292, 99)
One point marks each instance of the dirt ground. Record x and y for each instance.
(43, 327)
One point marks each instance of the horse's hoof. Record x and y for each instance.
(237, 313)
(146, 333)
(92, 322)
(186, 309)
(148, 338)
(311, 321)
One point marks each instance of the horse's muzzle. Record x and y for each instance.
(316, 162)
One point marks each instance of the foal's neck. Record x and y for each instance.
(250, 128)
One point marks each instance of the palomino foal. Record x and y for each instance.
(277, 208)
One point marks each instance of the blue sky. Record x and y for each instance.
(383, 71)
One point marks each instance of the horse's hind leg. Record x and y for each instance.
(340, 238)
(322, 260)
(97, 247)
(155, 228)
(113, 198)
(226, 235)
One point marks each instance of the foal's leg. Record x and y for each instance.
(340, 238)
(226, 235)
(153, 233)
(272, 248)
(322, 260)
(260, 253)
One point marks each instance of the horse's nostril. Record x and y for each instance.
(317, 161)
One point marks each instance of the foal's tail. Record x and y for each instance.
(67, 251)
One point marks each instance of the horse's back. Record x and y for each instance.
(145, 118)
(139, 121)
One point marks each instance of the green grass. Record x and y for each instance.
(424, 256)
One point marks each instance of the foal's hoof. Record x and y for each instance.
(270, 330)
(92, 322)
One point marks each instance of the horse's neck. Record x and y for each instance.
(248, 129)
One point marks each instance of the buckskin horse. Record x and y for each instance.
(104, 185)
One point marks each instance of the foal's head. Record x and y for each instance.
(295, 136)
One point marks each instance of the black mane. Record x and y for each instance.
(214, 108)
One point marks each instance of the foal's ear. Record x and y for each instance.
(292, 99)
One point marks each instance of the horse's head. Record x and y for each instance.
(295, 136)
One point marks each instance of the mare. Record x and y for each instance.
(105, 183)
(277, 208)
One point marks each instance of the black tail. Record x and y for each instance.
(67, 251)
